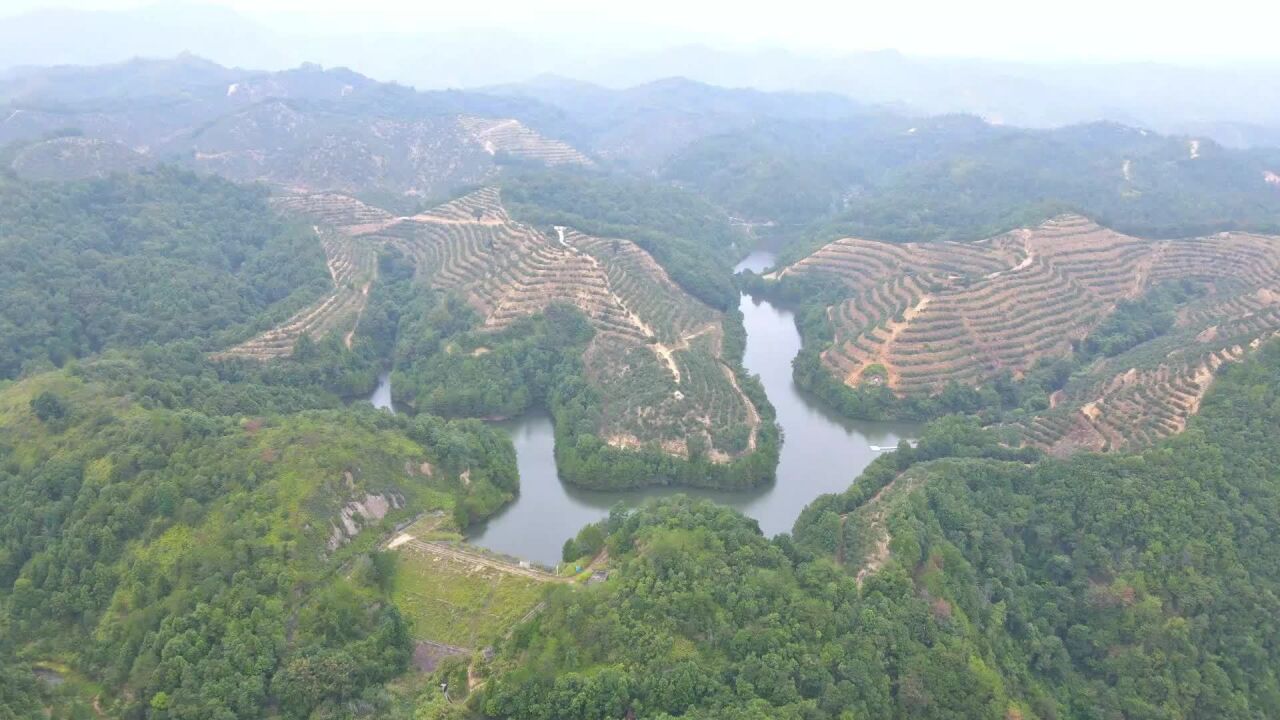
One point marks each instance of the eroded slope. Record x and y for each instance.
(510, 136)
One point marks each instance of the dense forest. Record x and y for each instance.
(191, 538)
(133, 259)
(1135, 586)
(191, 562)
(894, 178)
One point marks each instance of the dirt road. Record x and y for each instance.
(459, 555)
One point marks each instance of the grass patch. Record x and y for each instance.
(435, 526)
(457, 604)
(71, 694)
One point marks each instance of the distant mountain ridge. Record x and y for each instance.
(1237, 105)
(644, 125)
(801, 166)
(958, 178)
(308, 127)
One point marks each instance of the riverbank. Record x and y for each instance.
(821, 453)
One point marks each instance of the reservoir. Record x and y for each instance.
(821, 453)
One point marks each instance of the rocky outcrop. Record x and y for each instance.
(357, 513)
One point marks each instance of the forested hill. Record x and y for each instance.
(1125, 586)
(155, 257)
(205, 566)
(808, 167)
(958, 178)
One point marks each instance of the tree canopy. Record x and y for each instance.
(151, 257)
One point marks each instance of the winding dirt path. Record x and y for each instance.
(364, 291)
(881, 355)
(666, 353)
(474, 558)
(753, 415)
(876, 511)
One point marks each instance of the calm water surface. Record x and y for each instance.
(381, 397)
(821, 453)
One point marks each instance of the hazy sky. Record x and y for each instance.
(1164, 30)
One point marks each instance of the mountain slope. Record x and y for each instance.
(215, 565)
(1132, 585)
(958, 178)
(655, 358)
(641, 126)
(151, 258)
(307, 127)
(902, 320)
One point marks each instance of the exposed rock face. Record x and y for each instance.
(355, 514)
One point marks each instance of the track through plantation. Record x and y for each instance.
(916, 317)
(657, 356)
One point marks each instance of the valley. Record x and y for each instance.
(323, 398)
(548, 510)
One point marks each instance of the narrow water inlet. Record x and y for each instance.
(821, 453)
(381, 397)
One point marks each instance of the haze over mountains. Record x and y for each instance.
(802, 166)
(1236, 104)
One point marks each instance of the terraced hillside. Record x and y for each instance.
(333, 209)
(353, 267)
(916, 317)
(1149, 393)
(1135, 407)
(657, 356)
(295, 145)
(510, 136)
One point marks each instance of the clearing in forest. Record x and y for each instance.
(455, 601)
(512, 137)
